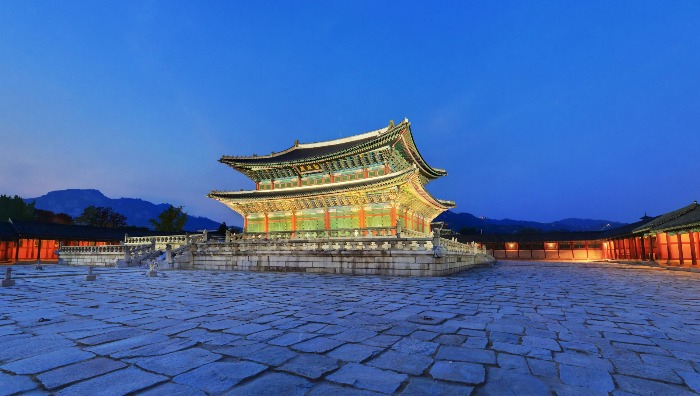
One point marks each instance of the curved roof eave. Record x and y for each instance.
(425, 194)
(324, 151)
(296, 192)
(433, 173)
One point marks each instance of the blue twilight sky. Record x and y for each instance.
(539, 110)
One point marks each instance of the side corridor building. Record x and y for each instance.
(670, 239)
(30, 241)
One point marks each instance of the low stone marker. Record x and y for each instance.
(8, 281)
(90, 276)
(152, 270)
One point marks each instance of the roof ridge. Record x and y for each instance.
(665, 218)
(323, 143)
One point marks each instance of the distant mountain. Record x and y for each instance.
(457, 221)
(137, 211)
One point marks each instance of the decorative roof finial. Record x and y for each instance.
(391, 123)
(296, 143)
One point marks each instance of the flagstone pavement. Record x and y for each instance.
(516, 328)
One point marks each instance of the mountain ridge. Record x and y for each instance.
(138, 212)
(457, 221)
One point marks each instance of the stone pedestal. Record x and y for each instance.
(90, 276)
(8, 281)
(152, 271)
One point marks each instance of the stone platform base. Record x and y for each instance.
(401, 263)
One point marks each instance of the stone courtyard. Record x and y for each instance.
(514, 328)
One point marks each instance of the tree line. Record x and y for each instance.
(172, 219)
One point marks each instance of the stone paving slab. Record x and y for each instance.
(78, 371)
(119, 382)
(514, 328)
(47, 361)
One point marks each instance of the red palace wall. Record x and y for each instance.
(29, 249)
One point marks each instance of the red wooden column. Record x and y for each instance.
(620, 245)
(623, 248)
(680, 249)
(653, 249)
(630, 251)
(636, 248)
(245, 223)
(693, 253)
(586, 250)
(644, 253)
(38, 251)
(668, 247)
(267, 222)
(17, 252)
(327, 219)
(558, 256)
(393, 218)
(362, 216)
(572, 250)
(294, 223)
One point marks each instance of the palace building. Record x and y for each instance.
(364, 185)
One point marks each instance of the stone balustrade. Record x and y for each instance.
(380, 243)
(106, 255)
(93, 249)
(161, 241)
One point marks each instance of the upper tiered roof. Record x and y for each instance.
(398, 136)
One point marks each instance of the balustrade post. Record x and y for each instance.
(169, 254)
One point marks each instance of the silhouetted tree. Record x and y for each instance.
(222, 228)
(15, 208)
(170, 220)
(101, 217)
(529, 231)
(468, 230)
(47, 216)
